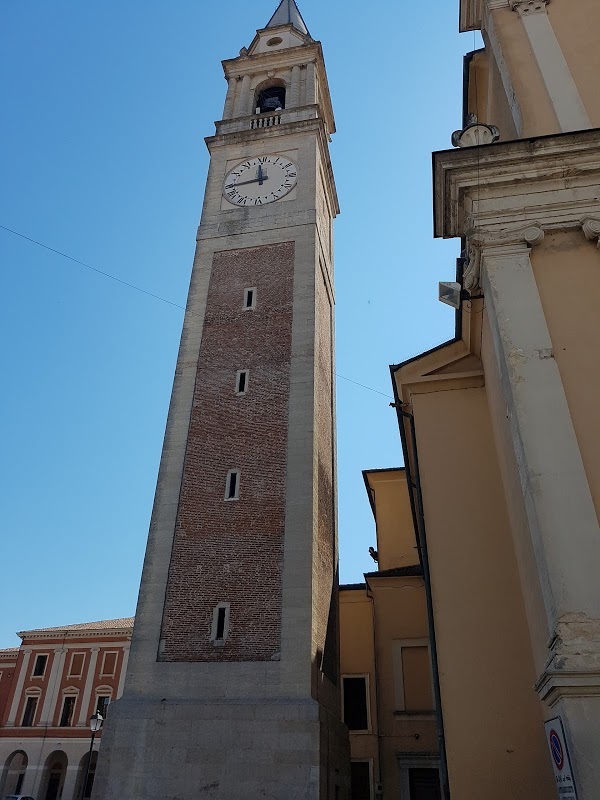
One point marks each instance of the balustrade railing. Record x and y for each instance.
(264, 121)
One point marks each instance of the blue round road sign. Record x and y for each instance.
(556, 749)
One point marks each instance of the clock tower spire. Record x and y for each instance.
(232, 683)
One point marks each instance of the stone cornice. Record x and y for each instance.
(529, 7)
(512, 191)
(472, 11)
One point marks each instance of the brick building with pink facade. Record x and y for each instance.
(50, 686)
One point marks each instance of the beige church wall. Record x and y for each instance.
(539, 631)
(400, 615)
(486, 667)
(566, 269)
(357, 657)
(487, 95)
(576, 25)
(538, 116)
(395, 535)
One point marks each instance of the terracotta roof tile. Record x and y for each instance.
(102, 625)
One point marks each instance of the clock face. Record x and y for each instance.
(260, 180)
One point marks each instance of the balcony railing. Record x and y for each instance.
(264, 121)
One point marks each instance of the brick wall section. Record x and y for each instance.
(233, 551)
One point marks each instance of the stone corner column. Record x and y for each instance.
(229, 98)
(295, 88)
(556, 74)
(561, 516)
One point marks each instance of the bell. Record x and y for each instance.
(271, 104)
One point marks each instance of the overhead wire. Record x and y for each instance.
(144, 291)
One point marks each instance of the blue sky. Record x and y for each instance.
(105, 108)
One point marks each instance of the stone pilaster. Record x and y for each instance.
(229, 98)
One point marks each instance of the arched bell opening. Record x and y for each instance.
(13, 773)
(270, 98)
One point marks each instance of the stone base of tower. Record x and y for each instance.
(187, 750)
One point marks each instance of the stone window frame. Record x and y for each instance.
(33, 692)
(246, 372)
(215, 621)
(70, 673)
(102, 672)
(35, 677)
(367, 678)
(236, 496)
(414, 760)
(252, 306)
(368, 761)
(400, 700)
(68, 692)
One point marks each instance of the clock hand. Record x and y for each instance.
(254, 180)
(260, 175)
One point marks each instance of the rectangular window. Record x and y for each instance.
(66, 715)
(220, 623)
(40, 666)
(355, 702)
(29, 713)
(232, 485)
(102, 702)
(360, 780)
(76, 665)
(412, 676)
(424, 784)
(241, 381)
(249, 299)
(109, 664)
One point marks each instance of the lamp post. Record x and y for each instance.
(95, 724)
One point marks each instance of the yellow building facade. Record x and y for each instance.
(387, 691)
(500, 425)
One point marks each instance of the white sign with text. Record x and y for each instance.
(559, 753)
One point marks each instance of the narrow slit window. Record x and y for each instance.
(241, 381)
(249, 299)
(220, 634)
(220, 623)
(232, 485)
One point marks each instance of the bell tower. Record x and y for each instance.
(232, 686)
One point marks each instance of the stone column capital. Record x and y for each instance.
(486, 244)
(591, 228)
(529, 7)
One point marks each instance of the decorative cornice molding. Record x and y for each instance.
(529, 7)
(591, 228)
(498, 192)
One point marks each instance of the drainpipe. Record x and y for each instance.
(379, 781)
(416, 503)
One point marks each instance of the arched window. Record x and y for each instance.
(13, 773)
(269, 99)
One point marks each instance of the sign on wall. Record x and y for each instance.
(563, 774)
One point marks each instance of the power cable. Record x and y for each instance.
(144, 291)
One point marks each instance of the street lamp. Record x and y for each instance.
(95, 724)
